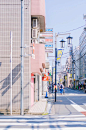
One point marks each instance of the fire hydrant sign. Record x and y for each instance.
(45, 78)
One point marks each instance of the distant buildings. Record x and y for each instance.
(82, 56)
(79, 60)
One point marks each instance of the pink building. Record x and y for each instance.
(34, 22)
(37, 64)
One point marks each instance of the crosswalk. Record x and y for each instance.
(50, 122)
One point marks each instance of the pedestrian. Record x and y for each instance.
(79, 85)
(61, 87)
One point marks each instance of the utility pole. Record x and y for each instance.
(55, 63)
(52, 77)
(72, 67)
(22, 53)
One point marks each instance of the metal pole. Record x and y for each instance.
(55, 62)
(72, 67)
(52, 77)
(11, 74)
(22, 52)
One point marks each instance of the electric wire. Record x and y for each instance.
(72, 29)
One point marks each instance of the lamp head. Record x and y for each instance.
(69, 40)
(62, 43)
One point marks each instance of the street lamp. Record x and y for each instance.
(62, 46)
(62, 43)
(69, 40)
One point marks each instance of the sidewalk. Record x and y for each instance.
(39, 107)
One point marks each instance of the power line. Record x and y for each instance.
(72, 29)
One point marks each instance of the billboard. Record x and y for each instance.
(45, 40)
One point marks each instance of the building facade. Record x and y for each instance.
(34, 23)
(10, 20)
(82, 57)
(76, 63)
(38, 64)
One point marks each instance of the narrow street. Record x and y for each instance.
(67, 113)
(72, 102)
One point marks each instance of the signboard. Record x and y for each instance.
(46, 35)
(47, 65)
(33, 48)
(49, 50)
(49, 30)
(45, 78)
(46, 40)
(47, 45)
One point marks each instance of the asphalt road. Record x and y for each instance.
(67, 113)
(72, 102)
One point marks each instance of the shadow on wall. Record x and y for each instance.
(15, 76)
(16, 73)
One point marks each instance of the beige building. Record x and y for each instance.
(10, 20)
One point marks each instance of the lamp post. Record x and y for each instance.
(62, 46)
(52, 78)
(55, 62)
(69, 40)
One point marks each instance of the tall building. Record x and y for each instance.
(10, 20)
(82, 56)
(38, 63)
(76, 70)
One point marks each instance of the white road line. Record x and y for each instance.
(49, 107)
(77, 107)
(41, 120)
(43, 124)
(69, 128)
(69, 116)
(38, 117)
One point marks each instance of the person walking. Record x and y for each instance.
(61, 87)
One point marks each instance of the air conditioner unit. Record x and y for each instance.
(34, 23)
(34, 33)
(34, 41)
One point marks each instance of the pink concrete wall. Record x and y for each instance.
(36, 63)
(32, 90)
(38, 7)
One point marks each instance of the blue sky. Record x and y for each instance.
(65, 15)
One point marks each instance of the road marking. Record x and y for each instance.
(49, 107)
(77, 107)
(43, 124)
(41, 120)
(69, 128)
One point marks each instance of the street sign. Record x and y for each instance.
(46, 40)
(49, 30)
(46, 35)
(33, 56)
(45, 78)
(49, 50)
(51, 45)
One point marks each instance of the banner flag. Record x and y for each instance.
(59, 53)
